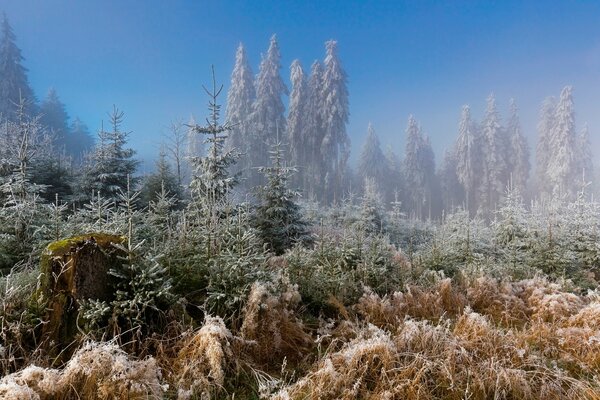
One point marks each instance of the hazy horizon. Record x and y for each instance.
(426, 59)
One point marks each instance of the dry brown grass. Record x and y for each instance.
(271, 329)
(527, 340)
(199, 369)
(480, 339)
(96, 371)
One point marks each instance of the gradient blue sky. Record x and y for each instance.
(427, 58)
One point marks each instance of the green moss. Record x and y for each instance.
(59, 290)
(62, 247)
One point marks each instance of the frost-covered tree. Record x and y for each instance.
(545, 127)
(585, 157)
(394, 181)
(419, 170)
(211, 181)
(278, 217)
(314, 132)
(22, 214)
(296, 121)
(240, 97)
(518, 156)
(14, 84)
(162, 179)
(372, 162)
(267, 117)
(55, 118)
(81, 141)
(468, 158)
(451, 189)
(175, 148)
(335, 147)
(563, 163)
(494, 150)
(372, 214)
(111, 166)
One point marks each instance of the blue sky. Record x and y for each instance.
(427, 58)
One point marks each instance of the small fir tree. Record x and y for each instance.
(277, 217)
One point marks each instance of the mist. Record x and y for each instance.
(287, 200)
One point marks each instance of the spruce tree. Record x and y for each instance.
(80, 141)
(240, 98)
(335, 147)
(545, 127)
(585, 157)
(55, 118)
(314, 132)
(211, 181)
(111, 165)
(468, 161)
(394, 181)
(494, 151)
(563, 164)
(450, 186)
(296, 120)
(519, 152)
(419, 170)
(14, 84)
(372, 210)
(372, 162)
(278, 217)
(267, 111)
(162, 180)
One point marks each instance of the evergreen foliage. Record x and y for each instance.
(296, 122)
(563, 164)
(14, 85)
(110, 166)
(240, 99)
(335, 145)
(494, 148)
(267, 111)
(518, 160)
(278, 219)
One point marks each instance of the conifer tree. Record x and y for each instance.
(543, 148)
(240, 97)
(494, 148)
(419, 170)
(55, 118)
(267, 111)
(14, 84)
(81, 141)
(563, 164)
(314, 132)
(111, 165)
(372, 162)
(296, 120)
(335, 147)
(278, 217)
(162, 180)
(519, 152)
(468, 160)
(585, 157)
(394, 181)
(371, 211)
(211, 181)
(450, 186)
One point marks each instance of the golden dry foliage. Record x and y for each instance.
(199, 370)
(481, 339)
(441, 300)
(96, 371)
(527, 340)
(271, 328)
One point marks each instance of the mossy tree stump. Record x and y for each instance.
(74, 270)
